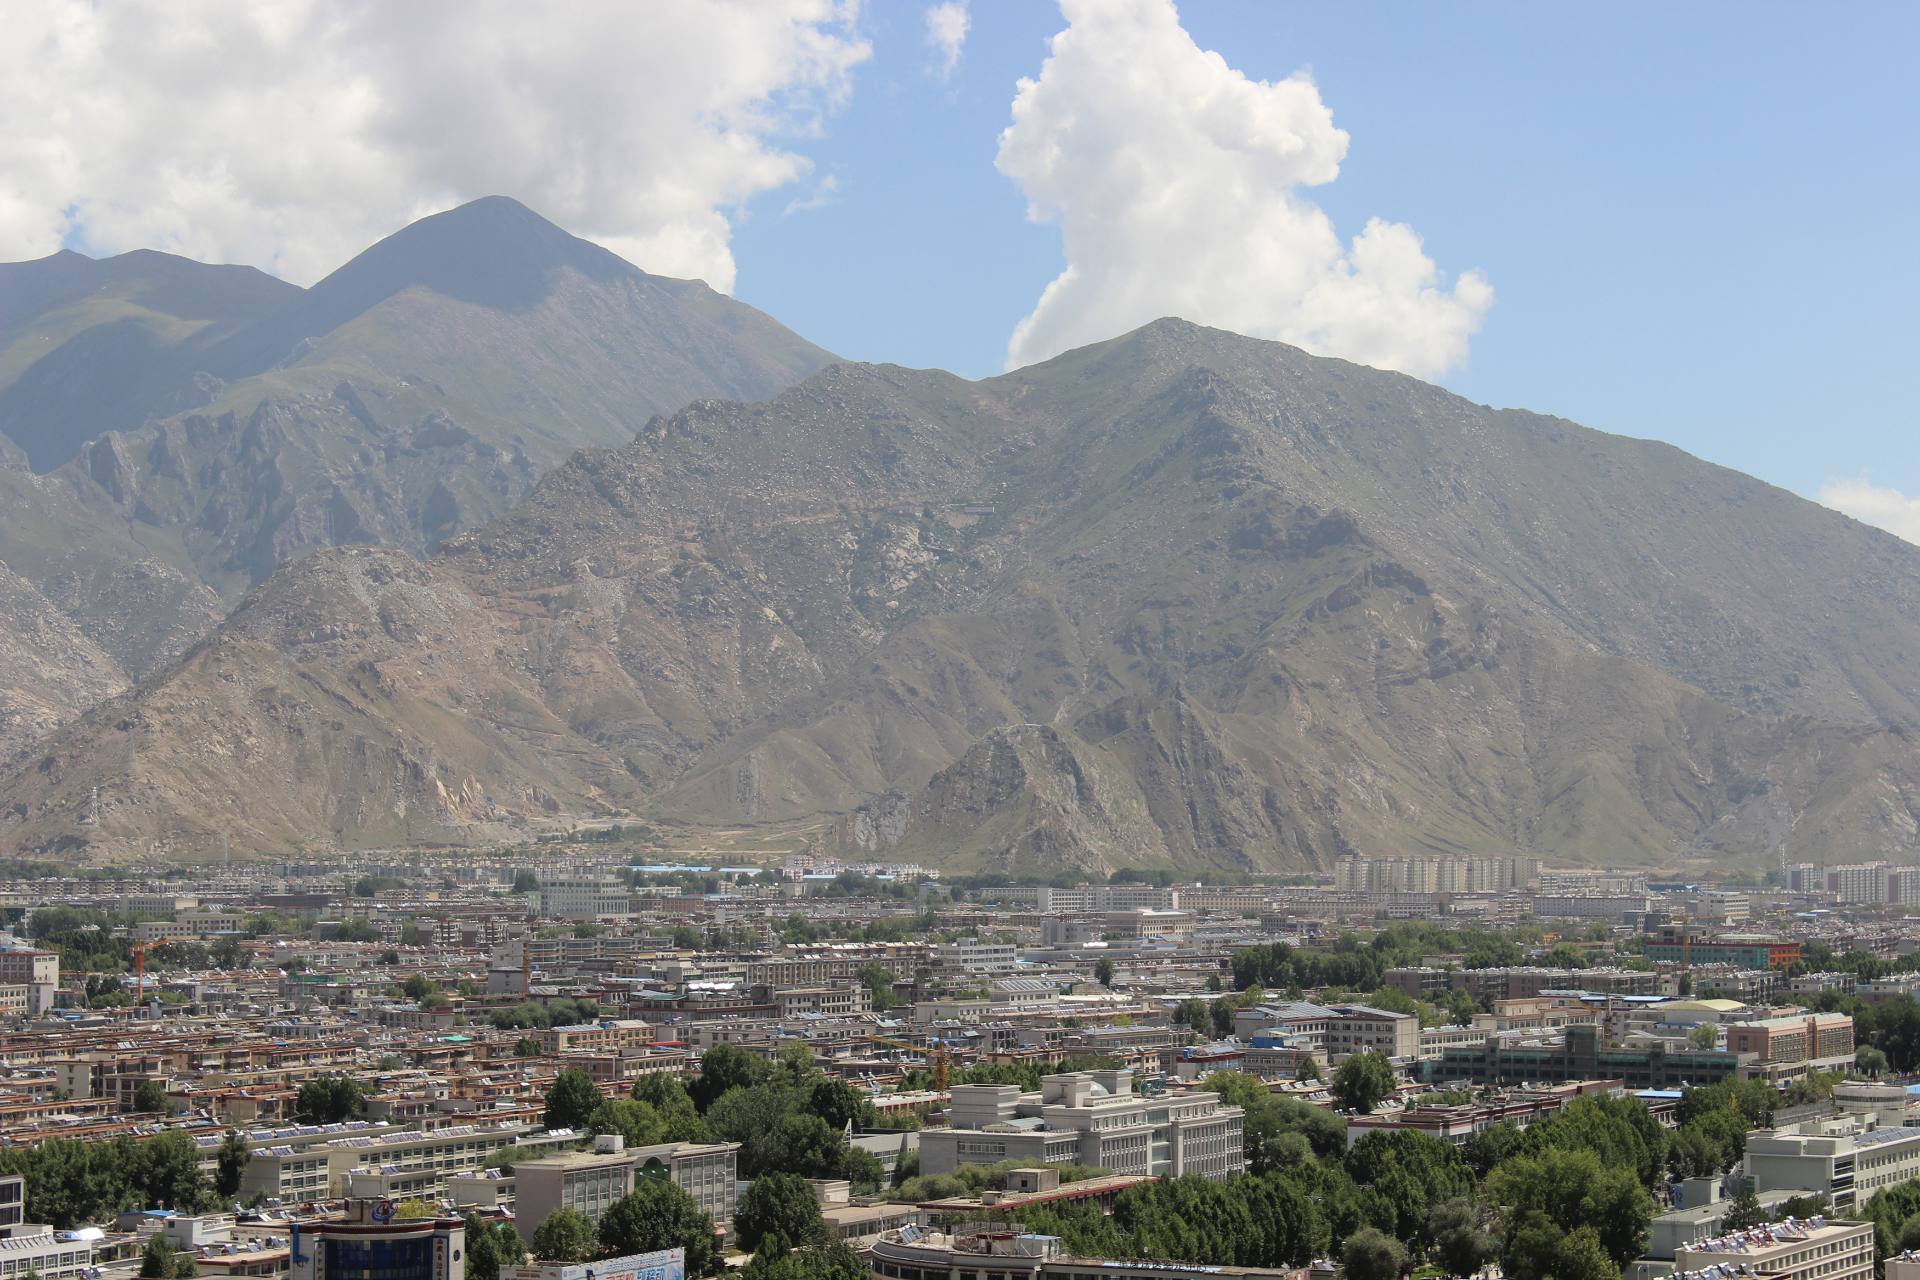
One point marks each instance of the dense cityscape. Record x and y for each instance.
(578, 1055)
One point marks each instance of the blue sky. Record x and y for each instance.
(1699, 221)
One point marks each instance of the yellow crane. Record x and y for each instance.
(937, 1055)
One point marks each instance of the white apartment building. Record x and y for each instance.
(1337, 1031)
(1088, 1118)
(1434, 875)
(33, 1250)
(973, 955)
(419, 1161)
(591, 1182)
(1816, 1249)
(36, 970)
(1859, 881)
(1847, 1167)
(583, 897)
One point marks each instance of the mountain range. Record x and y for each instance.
(1182, 599)
(177, 431)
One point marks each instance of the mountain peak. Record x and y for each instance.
(492, 252)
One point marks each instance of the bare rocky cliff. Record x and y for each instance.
(1182, 598)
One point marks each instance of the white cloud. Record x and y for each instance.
(823, 194)
(1875, 504)
(1176, 181)
(290, 135)
(947, 27)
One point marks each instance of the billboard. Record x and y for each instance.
(667, 1264)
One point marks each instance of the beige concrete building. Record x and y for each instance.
(1088, 1118)
(1816, 1249)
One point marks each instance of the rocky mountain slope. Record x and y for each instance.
(1180, 598)
(177, 431)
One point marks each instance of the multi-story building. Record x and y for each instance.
(1592, 883)
(1903, 886)
(287, 1174)
(597, 1037)
(841, 1001)
(1615, 908)
(1575, 1053)
(1359, 1028)
(1088, 1118)
(588, 1182)
(1337, 1030)
(37, 1251)
(1816, 1249)
(592, 1181)
(293, 1167)
(1847, 1167)
(1787, 1048)
(1434, 875)
(582, 897)
(36, 970)
(1858, 882)
(1007, 1252)
(662, 1264)
(707, 1171)
(370, 1242)
(973, 955)
(1676, 944)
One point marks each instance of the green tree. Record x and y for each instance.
(151, 1095)
(668, 1097)
(878, 980)
(1363, 1081)
(725, 1067)
(1413, 1172)
(1869, 1060)
(565, 1236)
(1370, 1254)
(638, 1124)
(230, 1164)
(328, 1100)
(1583, 1256)
(835, 1261)
(419, 987)
(1459, 1241)
(1704, 1036)
(161, 1261)
(780, 1210)
(1103, 971)
(659, 1215)
(1195, 1015)
(1743, 1210)
(572, 1100)
(483, 1252)
(1565, 956)
(1568, 1190)
(840, 1104)
(166, 1171)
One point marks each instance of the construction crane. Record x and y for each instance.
(140, 974)
(937, 1055)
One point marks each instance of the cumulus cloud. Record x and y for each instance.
(1177, 184)
(947, 27)
(1875, 504)
(290, 135)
